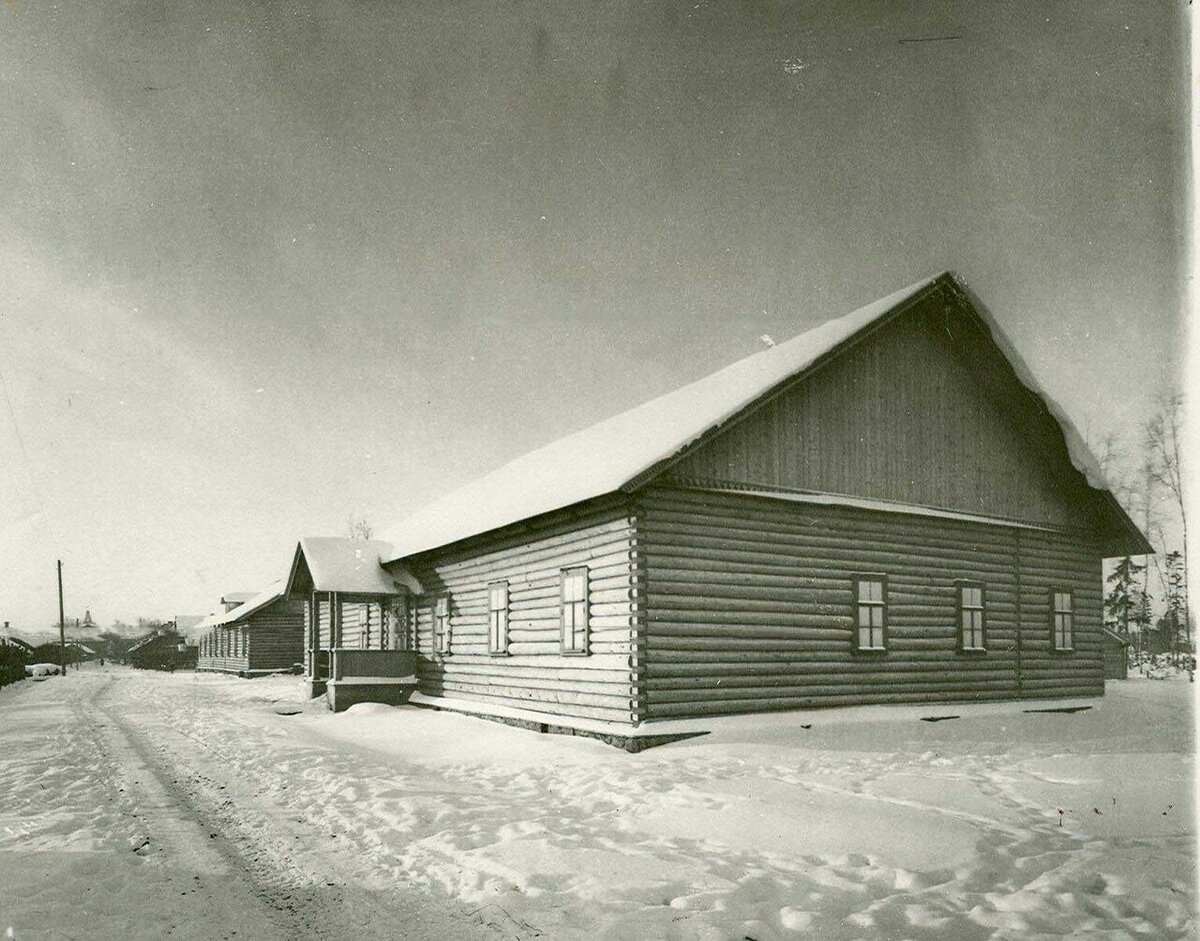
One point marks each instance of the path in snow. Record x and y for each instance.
(107, 833)
(764, 829)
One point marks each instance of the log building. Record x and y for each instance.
(885, 509)
(264, 634)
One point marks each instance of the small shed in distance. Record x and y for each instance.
(264, 634)
(1116, 656)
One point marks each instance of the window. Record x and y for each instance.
(575, 610)
(498, 617)
(970, 617)
(441, 624)
(398, 620)
(870, 593)
(1063, 621)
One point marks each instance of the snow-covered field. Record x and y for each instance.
(189, 805)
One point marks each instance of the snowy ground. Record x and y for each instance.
(386, 822)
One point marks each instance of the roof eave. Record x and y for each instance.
(290, 584)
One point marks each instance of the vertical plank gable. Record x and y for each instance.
(924, 411)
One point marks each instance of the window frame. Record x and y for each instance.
(962, 608)
(498, 620)
(442, 639)
(1068, 613)
(856, 605)
(585, 648)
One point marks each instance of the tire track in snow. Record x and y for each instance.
(210, 829)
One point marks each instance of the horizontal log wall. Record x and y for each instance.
(324, 607)
(223, 650)
(535, 674)
(361, 624)
(271, 639)
(1048, 565)
(276, 636)
(749, 606)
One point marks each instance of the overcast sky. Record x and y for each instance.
(263, 266)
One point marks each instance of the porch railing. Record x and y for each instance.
(350, 662)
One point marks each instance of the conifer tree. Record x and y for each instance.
(1174, 600)
(1124, 601)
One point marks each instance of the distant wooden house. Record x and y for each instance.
(163, 650)
(79, 652)
(17, 643)
(887, 508)
(262, 634)
(54, 652)
(1116, 655)
(14, 654)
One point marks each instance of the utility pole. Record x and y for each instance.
(62, 627)
(78, 653)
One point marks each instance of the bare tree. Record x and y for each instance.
(1163, 446)
(357, 527)
(1113, 459)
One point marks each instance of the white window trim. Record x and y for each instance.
(498, 620)
(858, 580)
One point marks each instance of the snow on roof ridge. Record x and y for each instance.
(607, 455)
(340, 563)
(245, 609)
(1081, 456)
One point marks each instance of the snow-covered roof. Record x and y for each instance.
(609, 454)
(13, 641)
(142, 643)
(623, 449)
(244, 610)
(237, 597)
(352, 566)
(1080, 454)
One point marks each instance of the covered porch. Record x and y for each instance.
(359, 634)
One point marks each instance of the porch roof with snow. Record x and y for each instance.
(347, 566)
(625, 451)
